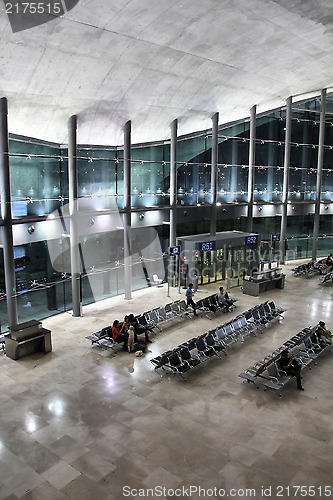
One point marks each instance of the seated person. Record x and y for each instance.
(329, 260)
(223, 299)
(138, 329)
(291, 367)
(119, 334)
(126, 323)
(323, 334)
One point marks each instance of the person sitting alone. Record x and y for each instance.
(329, 260)
(323, 334)
(291, 367)
(119, 334)
(223, 299)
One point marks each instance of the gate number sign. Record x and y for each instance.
(207, 246)
(249, 240)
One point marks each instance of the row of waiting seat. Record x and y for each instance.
(181, 359)
(305, 347)
(327, 278)
(312, 268)
(150, 319)
(155, 318)
(211, 304)
(177, 309)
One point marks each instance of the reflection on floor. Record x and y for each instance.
(81, 424)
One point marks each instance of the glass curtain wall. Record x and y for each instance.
(39, 192)
(269, 157)
(304, 151)
(36, 193)
(100, 178)
(233, 159)
(327, 184)
(150, 176)
(193, 170)
(34, 178)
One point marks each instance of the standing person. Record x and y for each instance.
(189, 299)
(131, 338)
(291, 367)
(223, 299)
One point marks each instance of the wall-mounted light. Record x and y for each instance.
(294, 208)
(142, 216)
(259, 209)
(326, 207)
(31, 229)
(92, 222)
(224, 210)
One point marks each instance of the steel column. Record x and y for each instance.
(6, 213)
(173, 183)
(73, 213)
(250, 183)
(213, 195)
(127, 213)
(283, 231)
(320, 161)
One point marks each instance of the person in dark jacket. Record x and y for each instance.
(291, 367)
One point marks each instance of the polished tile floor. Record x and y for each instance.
(81, 423)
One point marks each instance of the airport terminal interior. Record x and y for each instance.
(146, 145)
(83, 422)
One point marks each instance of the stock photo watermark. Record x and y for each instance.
(278, 491)
(24, 15)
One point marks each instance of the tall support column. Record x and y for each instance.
(173, 184)
(173, 202)
(251, 168)
(319, 174)
(127, 213)
(283, 231)
(6, 213)
(213, 195)
(73, 213)
(234, 168)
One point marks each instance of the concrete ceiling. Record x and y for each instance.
(151, 61)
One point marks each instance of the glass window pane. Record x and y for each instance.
(35, 178)
(41, 290)
(150, 176)
(100, 177)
